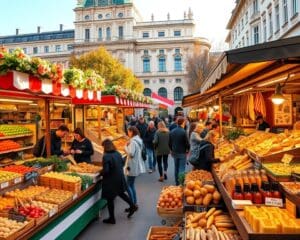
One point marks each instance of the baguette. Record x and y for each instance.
(226, 225)
(210, 212)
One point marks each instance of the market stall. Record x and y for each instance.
(105, 119)
(257, 174)
(40, 198)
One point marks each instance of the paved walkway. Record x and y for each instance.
(136, 228)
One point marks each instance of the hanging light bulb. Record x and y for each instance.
(277, 98)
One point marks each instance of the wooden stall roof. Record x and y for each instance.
(251, 67)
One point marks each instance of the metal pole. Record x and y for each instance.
(47, 127)
(221, 115)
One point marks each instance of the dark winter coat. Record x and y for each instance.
(87, 150)
(178, 141)
(149, 137)
(114, 181)
(142, 127)
(206, 157)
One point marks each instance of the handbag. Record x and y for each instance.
(143, 148)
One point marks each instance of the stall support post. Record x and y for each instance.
(99, 122)
(221, 114)
(47, 127)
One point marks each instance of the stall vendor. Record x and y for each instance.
(262, 125)
(82, 147)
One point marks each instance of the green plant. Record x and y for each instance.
(235, 133)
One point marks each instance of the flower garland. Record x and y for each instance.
(18, 61)
(126, 94)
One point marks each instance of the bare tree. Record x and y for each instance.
(198, 68)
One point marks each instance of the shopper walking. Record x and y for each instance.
(81, 147)
(179, 146)
(162, 150)
(134, 164)
(148, 141)
(114, 183)
(142, 127)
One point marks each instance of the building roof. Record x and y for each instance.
(33, 37)
(104, 3)
(234, 13)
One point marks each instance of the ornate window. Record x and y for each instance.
(86, 17)
(162, 64)
(100, 35)
(146, 64)
(147, 92)
(100, 16)
(120, 14)
(178, 94)
(108, 34)
(163, 92)
(121, 32)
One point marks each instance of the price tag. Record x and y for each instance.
(4, 184)
(52, 212)
(276, 202)
(86, 186)
(17, 180)
(49, 168)
(75, 196)
(287, 158)
(200, 209)
(290, 207)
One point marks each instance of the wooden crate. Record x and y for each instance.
(21, 232)
(72, 187)
(161, 230)
(169, 212)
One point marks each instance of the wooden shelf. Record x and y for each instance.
(55, 119)
(242, 225)
(17, 150)
(91, 119)
(16, 136)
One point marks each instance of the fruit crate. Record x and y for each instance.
(17, 180)
(164, 232)
(56, 183)
(74, 187)
(45, 169)
(44, 181)
(40, 220)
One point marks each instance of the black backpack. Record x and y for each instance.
(195, 156)
(144, 152)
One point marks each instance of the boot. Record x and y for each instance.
(109, 221)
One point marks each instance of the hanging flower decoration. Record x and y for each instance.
(17, 60)
(127, 94)
(84, 80)
(93, 80)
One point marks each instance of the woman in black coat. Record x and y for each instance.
(207, 153)
(114, 183)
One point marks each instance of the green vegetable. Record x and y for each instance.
(85, 180)
(234, 134)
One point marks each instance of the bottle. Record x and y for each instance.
(266, 192)
(247, 194)
(256, 195)
(245, 177)
(251, 177)
(237, 194)
(239, 180)
(263, 174)
(275, 190)
(229, 184)
(258, 178)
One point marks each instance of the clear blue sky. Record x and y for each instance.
(211, 16)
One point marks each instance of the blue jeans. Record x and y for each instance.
(179, 162)
(150, 158)
(131, 188)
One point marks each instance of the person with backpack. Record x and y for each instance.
(148, 141)
(206, 153)
(135, 164)
(56, 136)
(114, 183)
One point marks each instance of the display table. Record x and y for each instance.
(72, 219)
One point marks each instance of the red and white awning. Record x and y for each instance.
(24, 82)
(112, 100)
(162, 100)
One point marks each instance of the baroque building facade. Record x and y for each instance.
(156, 51)
(257, 21)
